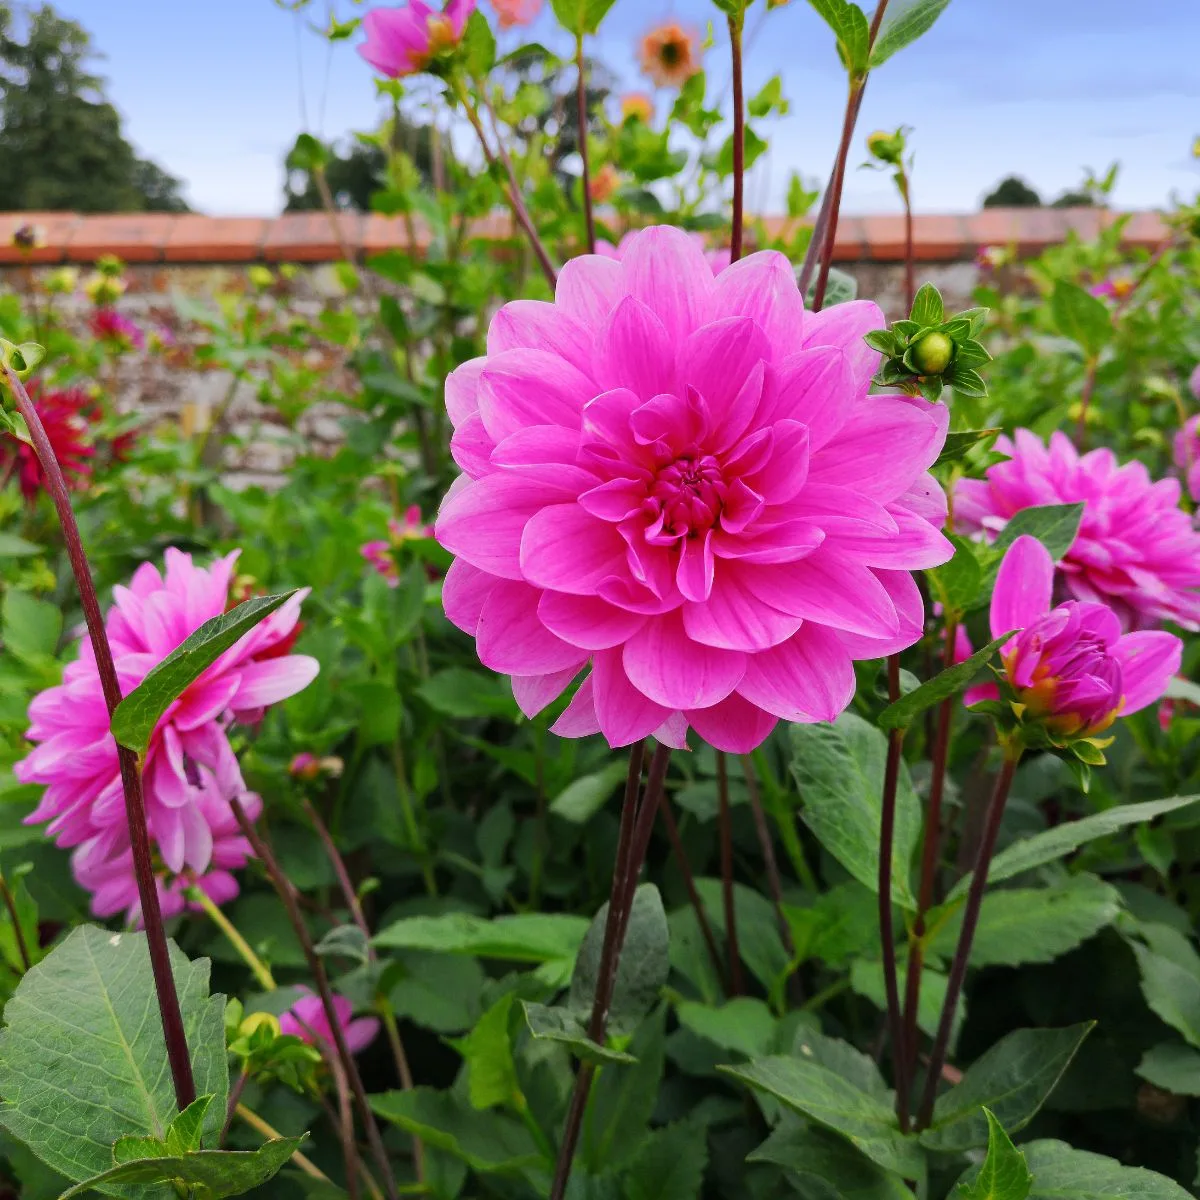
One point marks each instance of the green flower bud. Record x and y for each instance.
(260, 276)
(110, 265)
(887, 147)
(932, 354)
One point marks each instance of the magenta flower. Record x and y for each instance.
(116, 330)
(1137, 550)
(516, 12)
(379, 553)
(1070, 668)
(191, 773)
(306, 1020)
(716, 258)
(403, 41)
(679, 483)
(1187, 455)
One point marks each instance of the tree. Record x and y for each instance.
(61, 144)
(1012, 192)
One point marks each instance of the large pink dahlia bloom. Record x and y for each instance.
(1137, 551)
(679, 482)
(191, 773)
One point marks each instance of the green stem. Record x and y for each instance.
(258, 968)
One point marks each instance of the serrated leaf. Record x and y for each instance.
(208, 1174)
(1080, 316)
(951, 681)
(965, 381)
(882, 340)
(1173, 1067)
(1060, 1172)
(839, 771)
(487, 1052)
(581, 16)
(1004, 1174)
(183, 1134)
(927, 306)
(642, 968)
(1060, 841)
(559, 1025)
(138, 714)
(970, 354)
(809, 1152)
(958, 444)
(903, 26)
(1012, 1079)
(82, 1057)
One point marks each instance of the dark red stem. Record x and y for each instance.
(581, 106)
(736, 980)
(131, 779)
(739, 140)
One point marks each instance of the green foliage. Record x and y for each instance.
(951, 681)
(1004, 1174)
(903, 25)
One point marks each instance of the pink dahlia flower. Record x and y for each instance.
(379, 553)
(306, 1020)
(679, 483)
(1187, 455)
(191, 773)
(1070, 666)
(403, 41)
(67, 416)
(116, 329)
(1137, 550)
(717, 258)
(516, 12)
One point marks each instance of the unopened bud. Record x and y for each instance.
(932, 354)
(253, 1022)
(887, 147)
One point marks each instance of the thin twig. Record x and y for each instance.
(18, 933)
(589, 222)
(736, 981)
(288, 894)
(131, 778)
(739, 148)
(258, 968)
(962, 952)
(269, 1131)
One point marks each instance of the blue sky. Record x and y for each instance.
(1043, 88)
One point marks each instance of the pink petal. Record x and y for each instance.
(579, 717)
(205, 700)
(566, 549)
(1148, 662)
(464, 591)
(915, 546)
(902, 588)
(531, 387)
(471, 446)
(815, 387)
(843, 326)
(808, 678)
(665, 665)
(625, 714)
(719, 360)
(533, 692)
(635, 352)
(587, 621)
(734, 725)
(763, 286)
(733, 618)
(786, 471)
(665, 270)
(265, 683)
(539, 325)
(462, 387)
(694, 576)
(673, 732)
(546, 453)
(513, 641)
(588, 289)
(361, 1033)
(1023, 586)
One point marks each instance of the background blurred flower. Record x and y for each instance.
(191, 772)
(670, 54)
(604, 183)
(403, 41)
(103, 290)
(1115, 288)
(1194, 381)
(639, 105)
(116, 330)
(516, 12)
(67, 415)
(1137, 551)
(306, 1020)
(1187, 455)
(681, 483)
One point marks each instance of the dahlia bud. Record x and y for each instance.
(887, 147)
(110, 265)
(637, 105)
(932, 354)
(103, 289)
(22, 359)
(62, 281)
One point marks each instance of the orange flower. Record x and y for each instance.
(670, 54)
(637, 104)
(604, 183)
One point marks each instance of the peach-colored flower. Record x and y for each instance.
(604, 183)
(516, 12)
(637, 104)
(670, 54)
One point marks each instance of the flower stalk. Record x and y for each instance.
(131, 779)
(581, 108)
(739, 138)
(737, 983)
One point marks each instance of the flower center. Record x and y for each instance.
(670, 54)
(685, 498)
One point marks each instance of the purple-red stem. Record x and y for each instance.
(736, 982)
(290, 897)
(18, 933)
(962, 952)
(131, 781)
(910, 272)
(739, 141)
(887, 932)
(581, 106)
(637, 823)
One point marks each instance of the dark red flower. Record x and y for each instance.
(66, 416)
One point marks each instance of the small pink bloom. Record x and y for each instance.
(1187, 455)
(1116, 287)
(403, 41)
(1070, 666)
(679, 486)
(67, 416)
(516, 12)
(116, 330)
(992, 258)
(306, 1020)
(1137, 551)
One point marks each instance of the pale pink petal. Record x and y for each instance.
(1148, 663)
(669, 668)
(762, 286)
(579, 717)
(625, 714)
(533, 692)
(1023, 586)
(719, 360)
(513, 641)
(635, 352)
(264, 683)
(665, 270)
(566, 549)
(844, 326)
(588, 289)
(673, 732)
(531, 387)
(808, 678)
(462, 388)
(733, 725)
(538, 325)
(814, 387)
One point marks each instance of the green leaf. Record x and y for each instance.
(832, 1100)
(1012, 1079)
(839, 771)
(927, 307)
(957, 583)
(1171, 991)
(1033, 925)
(1060, 1172)
(1172, 1067)
(840, 288)
(559, 1025)
(1060, 841)
(580, 800)
(769, 98)
(479, 45)
(30, 627)
(903, 26)
(209, 1174)
(951, 681)
(758, 935)
(1080, 316)
(581, 16)
(669, 1164)
(184, 1132)
(82, 1057)
(12, 546)
(487, 1051)
(485, 1141)
(138, 714)
(523, 937)
(744, 1025)
(866, 978)
(1054, 525)
(849, 26)
(460, 692)
(1004, 1174)
(812, 1153)
(642, 968)
(753, 148)
(957, 444)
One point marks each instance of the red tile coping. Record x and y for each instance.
(311, 237)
